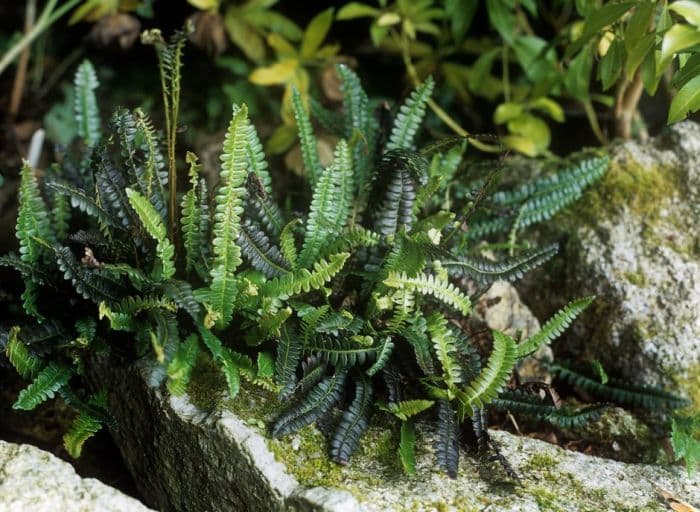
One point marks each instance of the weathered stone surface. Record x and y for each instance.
(35, 480)
(633, 240)
(184, 458)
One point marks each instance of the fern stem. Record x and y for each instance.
(438, 110)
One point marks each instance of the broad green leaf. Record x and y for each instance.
(597, 21)
(611, 64)
(507, 111)
(532, 127)
(502, 18)
(521, 144)
(354, 10)
(638, 24)
(636, 54)
(266, 365)
(244, 35)
(388, 19)
(578, 76)
(689, 9)
(482, 69)
(550, 107)
(278, 73)
(687, 100)
(677, 39)
(315, 33)
(460, 13)
(648, 72)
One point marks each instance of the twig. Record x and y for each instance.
(21, 75)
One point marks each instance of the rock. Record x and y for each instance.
(633, 241)
(219, 459)
(34, 480)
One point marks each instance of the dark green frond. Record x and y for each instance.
(289, 351)
(410, 116)
(307, 139)
(47, 382)
(260, 252)
(353, 423)
(304, 280)
(447, 444)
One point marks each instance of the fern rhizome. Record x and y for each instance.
(355, 306)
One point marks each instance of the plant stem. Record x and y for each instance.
(506, 77)
(21, 75)
(593, 121)
(444, 116)
(48, 17)
(626, 106)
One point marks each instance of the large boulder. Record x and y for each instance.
(633, 240)
(203, 451)
(37, 481)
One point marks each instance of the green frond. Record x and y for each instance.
(407, 408)
(303, 280)
(87, 114)
(342, 353)
(80, 200)
(83, 428)
(256, 159)
(289, 351)
(317, 403)
(227, 217)
(180, 367)
(416, 334)
(353, 238)
(47, 382)
(181, 293)
(60, 213)
(431, 285)
(26, 364)
(383, 354)
(355, 102)
(407, 447)
(410, 116)
(191, 216)
(533, 405)
(88, 282)
(151, 220)
(447, 441)
(152, 176)
(260, 252)
(485, 271)
(307, 139)
(353, 423)
(554, 327)
(493, 377)
(444, 344)
(33, 219)
(288, 243)
(345, 185)
(231, 372)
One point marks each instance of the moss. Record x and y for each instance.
(627, 182)
(689, 385)
(207, 385)
(636, 278)
(542, 461)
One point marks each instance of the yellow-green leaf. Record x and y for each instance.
(281, 139)
(689, 9)
(277, 73)
(244, 35)
(550, 107)
(316, 32)
(354, 10)
(687, 100)
(507, 111)
(677, 39)
(205, 5)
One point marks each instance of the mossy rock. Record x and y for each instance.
(186, 458)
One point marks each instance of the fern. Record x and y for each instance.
(80, 200)
(87, 114)
(180, 368)
(407, 409)
(288, 354)
(89, 283)
(191, 216)
(152, 176)
(636, 396)
(445, 348)
(256, 247)
(410, 117)
(318, 402)
(447, 439)
(229, 201)
(396, 208)
(554, 327)
(304, 280)
(307, 140)
(341, 353)
(353, 423)
(288, 243)
(154, 226)
(685, 442)
(407, 447)
(26, 364)
(494, 376)
(383, 355)
(485, 271)
(47, 382)
(83, 428)
(531, 404)
(431, 285)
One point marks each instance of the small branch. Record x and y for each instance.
(593, 121)
(626, 106)
(21, 75)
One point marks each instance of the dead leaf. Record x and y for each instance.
(676, 504)
(121, 28)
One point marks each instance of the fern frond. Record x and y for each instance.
(229, 203)
(307, 139)
(153, 223)
(383, 354)
(111, 189)
(303, 280)
(396, 208)
(191, 215)
(351, 239)
(288, 354)
(410, 116)
(407, 408)
(407, 447)
(181, 293)
(416, 335)
(89, 283)
(431, 285)
(554, 327)
(26, 364)
(444, 344)
(47, 382)
(60, 213)
(80, 200)
(518, 401)
(33, 219)
(152, 176)
(637, 396)
(341, 353)
(353, 423)
(288, 243)
(262, 254)
(87, 114)
(83, 428)
(485, 271)
(318, 402)
(493, 377)
(180, 368)
(447, 439)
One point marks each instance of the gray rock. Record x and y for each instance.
(37, 481)
(633, 240)
(184, 458)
